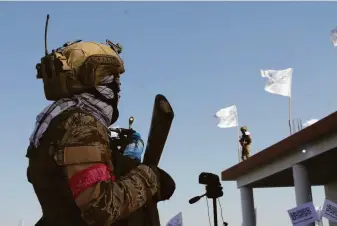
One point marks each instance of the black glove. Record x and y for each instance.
(167, 186)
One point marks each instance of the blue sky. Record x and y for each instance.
(203, 57)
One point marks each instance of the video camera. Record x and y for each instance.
(209, 179)
(213, 191)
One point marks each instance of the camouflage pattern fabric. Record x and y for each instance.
(72, 140)
(245, 152)
(245, 142)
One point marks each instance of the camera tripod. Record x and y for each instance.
(213, 191)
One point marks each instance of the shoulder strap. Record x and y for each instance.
(115, 158)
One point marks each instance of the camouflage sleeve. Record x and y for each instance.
(107, 201)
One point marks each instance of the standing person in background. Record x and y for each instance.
(245, 142)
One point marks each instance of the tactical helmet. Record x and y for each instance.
(77, 67)
(244, 128)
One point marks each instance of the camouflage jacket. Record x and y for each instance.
(245, 140)
(74, 142)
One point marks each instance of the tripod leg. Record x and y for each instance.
(215, 213)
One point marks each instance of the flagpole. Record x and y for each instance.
(290, 104)
(290, 114)
(226, 116)
(238, 129)
(238, 144)
(277, 79)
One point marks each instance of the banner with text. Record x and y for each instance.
(303, 215)
(330, 210)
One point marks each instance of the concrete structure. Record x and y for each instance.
(304, 159)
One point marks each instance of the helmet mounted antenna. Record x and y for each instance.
(45, 36)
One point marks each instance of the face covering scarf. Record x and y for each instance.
(87, 102)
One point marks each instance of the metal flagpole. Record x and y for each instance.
(290, 110)
(239, 144)
(237, 121)
(298, 124)
(290, 115)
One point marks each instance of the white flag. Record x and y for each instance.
(310, 122)
(177, 220)
(333, 37)
(279, 81)
(227, 117)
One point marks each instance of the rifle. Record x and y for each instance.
(162, 117)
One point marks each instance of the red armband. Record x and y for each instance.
(88, 177)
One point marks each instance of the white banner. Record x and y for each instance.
(330, 210)
(177, 220)
(303, 215)
(279, 81)
(333, 36)
(227, 117)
